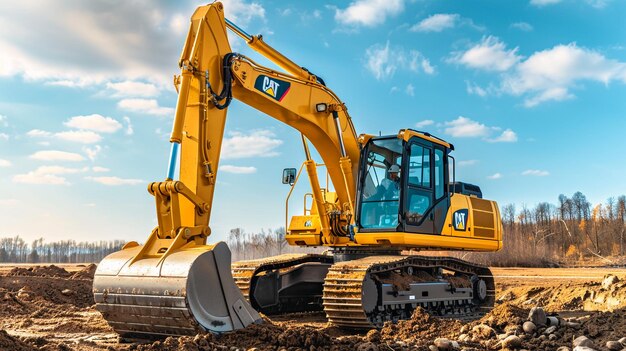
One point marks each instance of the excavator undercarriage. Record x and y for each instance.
(368, 291)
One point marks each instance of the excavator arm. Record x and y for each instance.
(175, 283)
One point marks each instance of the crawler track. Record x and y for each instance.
(349, 288)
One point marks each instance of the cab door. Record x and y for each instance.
(425, 202)
(418, 197)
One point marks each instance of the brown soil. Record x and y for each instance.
(49, 308)
(422, 327)
(7, 342)
(85, 273)
(40, 271)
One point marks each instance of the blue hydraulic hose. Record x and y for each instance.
(173, 158)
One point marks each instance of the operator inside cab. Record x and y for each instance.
(389, 188)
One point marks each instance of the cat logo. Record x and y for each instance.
(270, 86)
(274, 88)
(459, 220)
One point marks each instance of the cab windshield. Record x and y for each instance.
(380, 194)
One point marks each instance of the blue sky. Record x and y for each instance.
(530, 92)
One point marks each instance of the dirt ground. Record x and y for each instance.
(51, 308)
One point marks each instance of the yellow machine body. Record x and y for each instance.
(175, 283)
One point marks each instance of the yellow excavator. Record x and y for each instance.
(389, 194)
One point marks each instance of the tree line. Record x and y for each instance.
(17, 250)
(570, 232)
(266, 243)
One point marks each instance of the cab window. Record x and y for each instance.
(439, 173)
(419, 192)
(419, 166)
(380, 194)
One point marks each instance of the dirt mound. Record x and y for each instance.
(266, 336)
(40, 271)
(25, 294)
(422, 326)
(11, 304)
(599, 295)
(85, 273)
(7, 342)
(600, 327)
(504, 315)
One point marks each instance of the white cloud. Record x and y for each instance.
(546, 75)
(410, 90)
(466, 163)
(5, 163)
(523, 26)
(489, 55)
(383, 61)
(242, 12)
(541, 3)
(535, 172)
(379, 61)
(146, 106)
(92, 152)
(4, 136)
(34, 178)
(549, 74)
(3, 121)
(552, 94)
(495, 176)
(47, 175)
(98, 169)
(38, 133)
(475, 89)
(79, 136)
(436, 23)
(599, 4)
(238, 169)
(129, 126)
(427, 67)
(8, 202)
(369, 13)
(463, 127)
(179, 23)
(260, 143)
(55, 155)
(112, 181)
(94, 122)
(424, 123)
(507, 136)
(100, 43)
(59, 170)
(133, 88)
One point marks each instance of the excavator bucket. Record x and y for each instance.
(190, 291)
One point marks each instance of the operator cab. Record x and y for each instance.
(415, 199)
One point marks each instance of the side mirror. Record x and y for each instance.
(289, 176)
